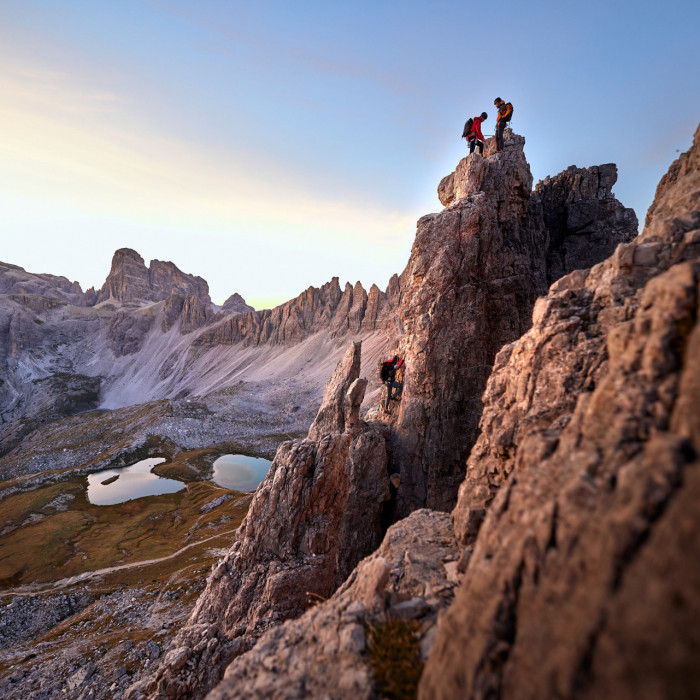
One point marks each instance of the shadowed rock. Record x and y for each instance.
(411, 577)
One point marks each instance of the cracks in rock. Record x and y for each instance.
(488, 676)
(552, 540)
(656, 501)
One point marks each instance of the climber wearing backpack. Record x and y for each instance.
(505, 113)
(475, 138)
(388, 376)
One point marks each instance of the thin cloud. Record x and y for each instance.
(119, 165)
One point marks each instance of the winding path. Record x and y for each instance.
(49, 587)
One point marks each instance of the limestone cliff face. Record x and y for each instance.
(328, 308)
(315, 516)
(475, 271)
(130, 280)
(579, 512)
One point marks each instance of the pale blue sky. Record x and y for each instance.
(270, 146)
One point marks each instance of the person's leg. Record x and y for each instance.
(499, 135)
(480, 146)
(471, 146)
(388, 395)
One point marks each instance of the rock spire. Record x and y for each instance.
(475, 271)
(579, 509)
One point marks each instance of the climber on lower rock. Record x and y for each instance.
(388, 376)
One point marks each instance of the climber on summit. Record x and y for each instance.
(505, 112)
(388, 376)
(475, 138)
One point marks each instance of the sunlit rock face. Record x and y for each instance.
(579, 511)
(475, 271)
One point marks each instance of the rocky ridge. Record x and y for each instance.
(130, 280)
(581, 493)
(63, 351)
(612, 349)
(328, 308)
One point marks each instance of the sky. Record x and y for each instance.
(270, 146)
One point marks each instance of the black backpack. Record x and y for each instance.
(467, 128)
(510, 116)
(385, 371)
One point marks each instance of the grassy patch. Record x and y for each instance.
(395, 658)
(50, 544)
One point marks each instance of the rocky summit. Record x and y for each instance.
(520, 523)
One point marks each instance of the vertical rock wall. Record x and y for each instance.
(475, 271)
(583, 580)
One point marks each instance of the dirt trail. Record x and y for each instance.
(50, 587)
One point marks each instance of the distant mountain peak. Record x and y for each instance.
(129, 280)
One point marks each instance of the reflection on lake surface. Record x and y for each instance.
(112, 486)
(240, 472)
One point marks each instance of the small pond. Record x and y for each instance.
(240, 472)
(112, 486)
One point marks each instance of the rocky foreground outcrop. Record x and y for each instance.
(574, 552)
(315, 516)
(579, 512)
(326, 653)
(475, 271)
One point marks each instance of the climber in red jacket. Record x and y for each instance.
(475, 138)
(388, 376)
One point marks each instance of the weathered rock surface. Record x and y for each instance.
(324, 653)
(475, 271)
(314, 517)
(584, 220)
(128, 330)
(579, 512)
(16, 280)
